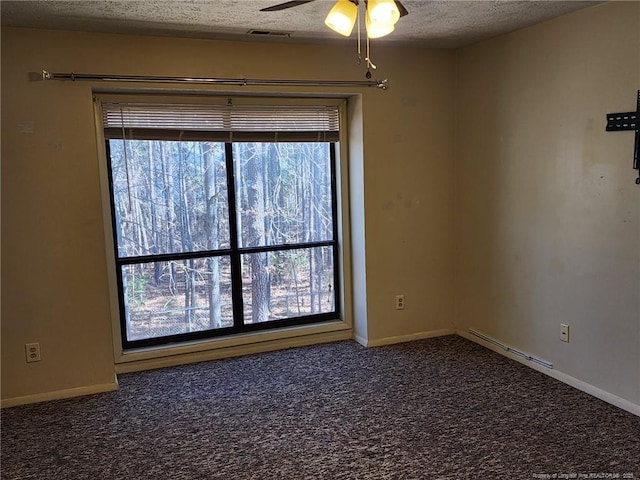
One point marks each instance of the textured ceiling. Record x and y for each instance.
(451, 23)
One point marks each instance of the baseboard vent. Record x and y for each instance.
(526, 356)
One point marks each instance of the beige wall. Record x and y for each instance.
(408, 145)
(54, 272)
(547, 213)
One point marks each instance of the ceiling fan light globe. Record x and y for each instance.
(378, 29)
(342, 17)
(383, 11)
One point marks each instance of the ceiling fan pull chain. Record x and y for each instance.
(358, 22)
(369, 67)
(370, 64)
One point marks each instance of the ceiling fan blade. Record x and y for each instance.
(403, 11)
(285, 5)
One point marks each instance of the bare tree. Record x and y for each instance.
(213, 229)
(255, 229)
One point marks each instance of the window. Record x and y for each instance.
(224, 218)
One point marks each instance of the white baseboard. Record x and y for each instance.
(60, 394)
(560, 376)
(109, 387)
(379, 342)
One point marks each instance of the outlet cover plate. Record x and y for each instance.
(32, 351)
(564, 332)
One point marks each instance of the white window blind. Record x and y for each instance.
(310, 123)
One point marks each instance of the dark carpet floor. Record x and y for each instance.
(442, 408)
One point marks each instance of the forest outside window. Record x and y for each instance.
(224, 218)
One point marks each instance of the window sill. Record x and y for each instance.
(231, 346)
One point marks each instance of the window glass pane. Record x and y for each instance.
(179, 296)
(283, 193)
(287, 284)
(169, 197)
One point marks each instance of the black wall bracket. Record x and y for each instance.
(617, 122)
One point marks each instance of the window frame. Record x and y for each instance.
(337, 320)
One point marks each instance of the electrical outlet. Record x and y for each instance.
(32, 351)
(564, 332)
(399, 302)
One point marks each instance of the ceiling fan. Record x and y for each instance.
(380, 15)
(380, 18)
(295, 3)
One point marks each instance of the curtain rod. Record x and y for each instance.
(47, 75)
